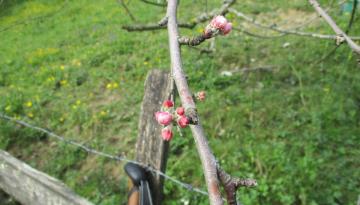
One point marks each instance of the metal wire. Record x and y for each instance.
(184, 185)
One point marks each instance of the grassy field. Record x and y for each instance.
(69, 67)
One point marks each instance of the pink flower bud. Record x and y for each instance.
(218, 22)
(163, 118)
(183, 121)
(166, 134)
(201, 95)
(168, 103)
(227, 28)
(180, 111)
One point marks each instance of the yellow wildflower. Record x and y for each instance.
(146, 63)
(115, 85)
(103, 113)
(109, 86)
(63, 82)
(28, 104)
(30, 114)
(62, 67)
(78, 102)
(51, 79)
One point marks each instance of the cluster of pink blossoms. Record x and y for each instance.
(167, 116)
(218, 25)
(201, 95)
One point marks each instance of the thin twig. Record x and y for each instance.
(257, 35)
(283, 31)
(127, 10)
(193, 41)
(50, 14)
(154, 3)
(189, 25)
(154, 26)
(339, 33)
(352, 16)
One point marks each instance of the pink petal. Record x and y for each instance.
(227, 28)
(166, 134)
(218, 22)
(163, 118)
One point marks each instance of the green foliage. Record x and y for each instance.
(72, 69)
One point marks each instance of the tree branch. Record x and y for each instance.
(332, 51)
(194, 41)
(279, 30)
(207, 158)
(154, 26)
(340, 34)
(189, 25)
(211, 168)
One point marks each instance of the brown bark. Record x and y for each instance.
(208, 161)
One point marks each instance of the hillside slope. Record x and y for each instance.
(69, 67)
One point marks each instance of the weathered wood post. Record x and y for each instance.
(151, 149)
(32, 187)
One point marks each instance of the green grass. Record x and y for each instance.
(68, 66)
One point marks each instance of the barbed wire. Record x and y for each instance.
(184, 185)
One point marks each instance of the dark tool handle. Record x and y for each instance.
(145, 194)
(140, 193)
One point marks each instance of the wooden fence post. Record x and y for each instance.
(151, 149)
(32, 187)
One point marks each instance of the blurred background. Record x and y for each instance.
(284, 110)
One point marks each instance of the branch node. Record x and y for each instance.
(163, 21)
(191, 113)
(339, 39)
(231, 184)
